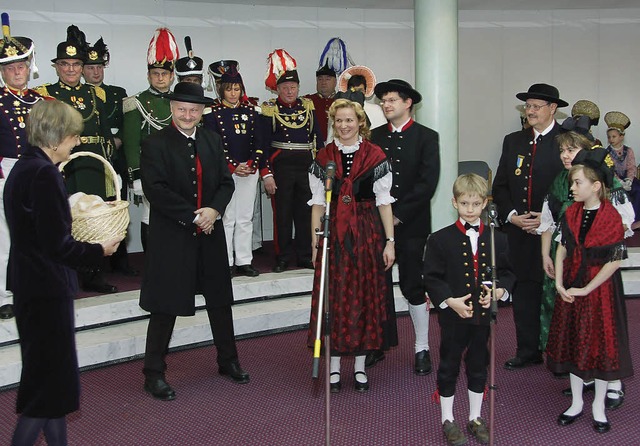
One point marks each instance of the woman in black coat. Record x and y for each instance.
(40, 275)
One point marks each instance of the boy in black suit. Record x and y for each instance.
(457, 262)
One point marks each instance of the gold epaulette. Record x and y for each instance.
(100, 93)
(42, 90)
(129, 104)
(307, 104)
(269, 108)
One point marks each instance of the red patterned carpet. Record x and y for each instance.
(283, 406)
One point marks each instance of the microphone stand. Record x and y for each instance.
(323, 305)
(493, 219)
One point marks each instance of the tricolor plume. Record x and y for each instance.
(162, 47)
(278, 62)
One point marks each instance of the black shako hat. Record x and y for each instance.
(98, 54)
(543, 92)
(325, 71)
(400, 86)
(288, 76)
(599, 160)
(75, 47)
(189, 92)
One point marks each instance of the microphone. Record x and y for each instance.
(330, 172)
(492, 211)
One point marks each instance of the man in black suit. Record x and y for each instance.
(186, 179)
(528, 165)
(415, 156)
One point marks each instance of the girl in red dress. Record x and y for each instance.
(588, 337)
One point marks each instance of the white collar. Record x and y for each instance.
(348, 149)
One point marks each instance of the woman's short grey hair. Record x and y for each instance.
(51, 121)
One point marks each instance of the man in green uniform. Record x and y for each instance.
(147, 112)
(85, 174)
(93, 72)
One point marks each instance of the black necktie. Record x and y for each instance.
(467, 226)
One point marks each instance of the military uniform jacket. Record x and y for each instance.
(522, 186)
(14, 109)
(451, 270)
(87, 174)
(285, 123)
(173, 272)
(415, 159)
(322, 105)
(144, 114)
(113, 108)
(241, 133)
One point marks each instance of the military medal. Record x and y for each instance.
(21, 122)
(244, 117)
(519, 162)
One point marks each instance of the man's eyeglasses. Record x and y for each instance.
(73, 65)
(534, 107)
(389, 101)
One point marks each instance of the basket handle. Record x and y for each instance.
(106, 163)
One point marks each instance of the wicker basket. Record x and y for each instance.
(108, 222)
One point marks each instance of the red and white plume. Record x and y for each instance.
(278, 62)
(163, 47)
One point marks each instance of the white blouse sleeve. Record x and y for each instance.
(382, 189)
(546, 219)
(318, 195)
(628, 215)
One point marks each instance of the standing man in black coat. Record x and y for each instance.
(415, 158)
(186, 180)
(528, 165)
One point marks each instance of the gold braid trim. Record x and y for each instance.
(101, 93)
(42, 90)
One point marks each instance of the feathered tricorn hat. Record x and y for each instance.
(75, 47)
(617, 120)
(190, 65)
(281, 68)
(334, 58)
(13, 49)
(98, 54)
(163, 50)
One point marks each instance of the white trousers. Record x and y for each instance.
(238, 220)
(6, 297)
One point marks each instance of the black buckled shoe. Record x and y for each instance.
(614, 403)
(235, 372)
(6, 311)
(247, 270)
(373, 357)
(601, 427)
(565, 420)
(159, 389)
(360, 387)
(423, 363)
(281, 266)
(336, 386)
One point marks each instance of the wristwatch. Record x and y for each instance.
(391, 239)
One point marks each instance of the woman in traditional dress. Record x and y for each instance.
(361, 243)
(588, 337)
